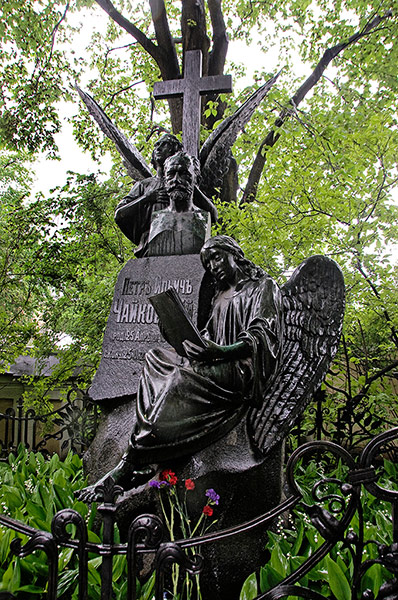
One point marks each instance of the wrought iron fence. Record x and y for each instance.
(72, 426)
(351, 426)
(331, 507)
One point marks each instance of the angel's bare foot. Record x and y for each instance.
(123, 474)
(89, 494)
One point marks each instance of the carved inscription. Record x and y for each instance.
(134, 312)
(145, 288)
(133, 308)
(133, 325)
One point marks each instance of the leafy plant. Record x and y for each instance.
(32, 491)
(295, 541)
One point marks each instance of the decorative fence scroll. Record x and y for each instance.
(331, 506)
(71, 427)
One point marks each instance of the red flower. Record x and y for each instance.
(189, 484)
(169, 476)
(207, 510)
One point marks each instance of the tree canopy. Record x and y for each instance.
(317, 162)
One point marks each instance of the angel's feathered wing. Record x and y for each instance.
(215, 152)
(313, 300)
(135, 164)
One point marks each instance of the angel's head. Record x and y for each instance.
(224, 259)
(166, 146)
(180, 174)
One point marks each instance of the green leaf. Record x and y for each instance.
(268, 578)
(337, 580)
(249, 588)
(32, 589)
(94, 574)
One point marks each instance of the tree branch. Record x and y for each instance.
(121, 91)
(53, 35)
(167, 61)
(164, 54)
(193, 29)
(137, 34)
(220, 38)
(273, 135)
(386, 314)
(378, 375)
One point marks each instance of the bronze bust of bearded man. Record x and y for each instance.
(186, 403)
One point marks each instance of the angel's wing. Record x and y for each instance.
(214, 154)
(313, 300)
(132, 159)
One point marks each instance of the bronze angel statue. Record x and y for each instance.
(265, 351)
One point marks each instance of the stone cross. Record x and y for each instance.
(191, 87)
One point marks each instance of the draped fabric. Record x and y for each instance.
(134, 212)
(183, 406)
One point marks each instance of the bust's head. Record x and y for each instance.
(179, 175)
(166, 146)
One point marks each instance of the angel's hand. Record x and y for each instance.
(210, 353)
(162, 197)
(213, 352)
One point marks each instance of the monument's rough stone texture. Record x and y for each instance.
(112, 438)
(248, 485)
(132, 327)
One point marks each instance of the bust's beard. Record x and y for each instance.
(181, 199)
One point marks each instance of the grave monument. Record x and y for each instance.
(215, 403)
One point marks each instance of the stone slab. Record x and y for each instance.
(132, 327)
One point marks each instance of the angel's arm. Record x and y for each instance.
(133, 213)
(203, 202)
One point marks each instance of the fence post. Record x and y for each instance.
(150, 531)
(107, 510)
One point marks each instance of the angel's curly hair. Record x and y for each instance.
(168, 137)
(228, 244)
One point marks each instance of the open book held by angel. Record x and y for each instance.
(262, 353)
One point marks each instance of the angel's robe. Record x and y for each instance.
(133, 213)
(182, 405)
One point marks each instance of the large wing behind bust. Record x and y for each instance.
(135, 164)
(215, 152)
(313, 300)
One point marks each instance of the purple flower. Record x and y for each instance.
(155, 484)
(212, 495)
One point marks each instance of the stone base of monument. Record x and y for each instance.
(248, 486)
(112, 438)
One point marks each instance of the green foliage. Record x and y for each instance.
(295, 539)
(59, 258)
(33, 70)
(32, 491)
